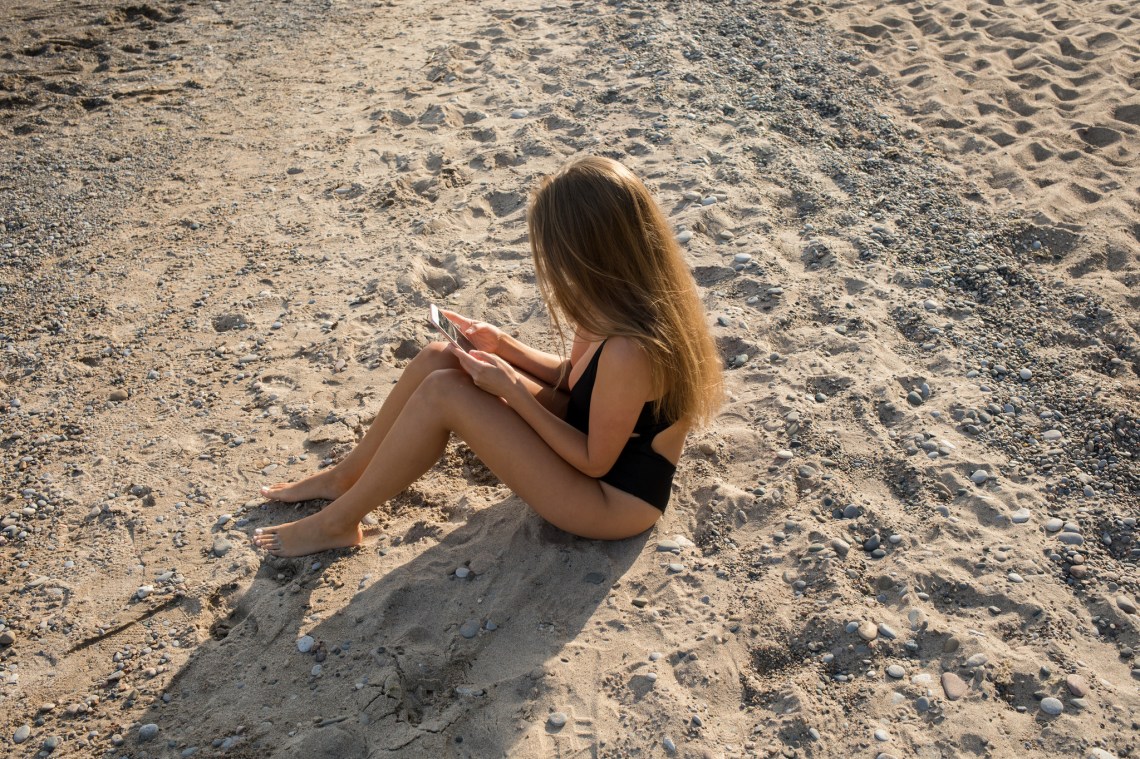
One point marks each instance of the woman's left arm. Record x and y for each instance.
(620, 389)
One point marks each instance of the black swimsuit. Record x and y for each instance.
(639, 470)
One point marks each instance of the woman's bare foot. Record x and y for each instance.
(312, 534)
(327, 485)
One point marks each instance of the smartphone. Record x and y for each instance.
(449, 330)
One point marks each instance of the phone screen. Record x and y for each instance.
(450, 331)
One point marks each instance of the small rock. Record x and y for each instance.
(896, 671)
(118, 395)
(23, 732)
(462, 572)
(1052, 706)
(953, 686)
(470, 628)
(640, 602)
(670, 746)
(7, 638)
(668, 545)
(557, 719)
(221, 546)
(1077, 685)
(305, 643)
(882, 735)
(1126, 604)
(1021, 516)
(1054, 524)
(684, 236)
(1026, 374)
(148, 732)
(519, 113)
(868, 631)
(979, 476)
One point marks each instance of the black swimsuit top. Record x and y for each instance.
(639, 470)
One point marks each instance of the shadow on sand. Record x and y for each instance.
(398, 672)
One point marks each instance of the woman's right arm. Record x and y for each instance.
(547, 367)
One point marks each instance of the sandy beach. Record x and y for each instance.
(911, 532)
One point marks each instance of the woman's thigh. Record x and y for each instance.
(518, 456)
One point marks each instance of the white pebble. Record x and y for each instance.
(305, 643)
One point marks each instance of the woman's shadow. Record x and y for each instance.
(419, 660)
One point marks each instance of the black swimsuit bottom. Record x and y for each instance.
(639, 470)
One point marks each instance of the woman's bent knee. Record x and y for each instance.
(436, 355)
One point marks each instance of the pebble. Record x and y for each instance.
(1052, 706)
(668, 545)
(470, 628)
(1052, 435)
(670, 746)
(887, 631)
(882, 735)
(462, 572)
(684, 236)
(896, 671)
(1021, 516)
(980, 476)
(1015, 577)
(1126, 604)
(953, 686)
(7, 638)
(1071, 538)
(22, 734)
(118, 395)
(144, 591)
(1077, 685)
(305, 643)
(221, 547)
(148, 732)
(1099, 753)
(640, 602)
(51, 743)
(784, 454)
(742, 258)
(1054, 524)
(675, 568)
(557, 719)
(520, 113)
(1026, 374)
(868, 631)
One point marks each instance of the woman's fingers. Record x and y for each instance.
(462, 321)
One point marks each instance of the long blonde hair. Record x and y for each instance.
(606, 260)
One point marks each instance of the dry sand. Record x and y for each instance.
(910, 533)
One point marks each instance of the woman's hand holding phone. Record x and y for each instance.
(485, 337)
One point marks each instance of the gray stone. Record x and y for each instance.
(148, 732)
(868, 631)
(23, 732)
(1126, 604)
(305, 643)
(670, 746)
(896, 671)
(7, 638)
(1052, 706)
(557, 719)
(470, 628)
(222, 546)
(668, 545)
(980, 476)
